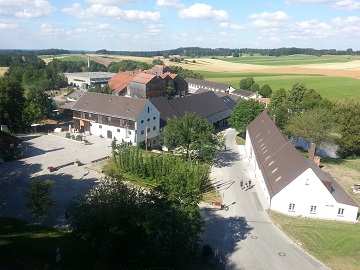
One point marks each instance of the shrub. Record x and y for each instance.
(67, 135)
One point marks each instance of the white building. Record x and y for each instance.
(293, 185)
(195, 84)
(124, 118)
(88, 79)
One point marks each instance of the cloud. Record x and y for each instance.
(169, 3)
(277, 16)
(348, 5)
(97, 26)
(49, 29)
(202, 11)
(99, 10)
(8, 26)
(232, 26)
(26, 9)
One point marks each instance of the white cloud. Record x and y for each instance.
(99, 10)
(49, 29)
(202, 11)
(169, 3)
(277, 16)
(307, 1)
(275, 40)
(349, 5)
(8, 26)
(154, 29)
(98, 26)
(232, 26)
(27, 9)
(112, 2)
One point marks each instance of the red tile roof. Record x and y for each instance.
(121, 80)
(143, 78)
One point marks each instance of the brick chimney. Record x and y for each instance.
(317, 160)
(312, 151)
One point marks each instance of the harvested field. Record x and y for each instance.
(3, 70)
(106, 60)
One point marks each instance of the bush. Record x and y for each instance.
(68, 136)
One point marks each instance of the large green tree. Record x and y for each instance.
(246, 83)
(39, 199)
(265, 91)
(316, 125)
(244, 113)
(38, 105)
(195, 136)
(347, 112)
(12, 103)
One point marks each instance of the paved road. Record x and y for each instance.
(244, 235)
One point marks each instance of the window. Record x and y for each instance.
(100, 126)
(148, 130)
(341, 211)
(142, 132)
(154, 117)
(129, 132)
(154, 127)
(313, 209)
(148, 119)
(142, 121)
(292, 207)
(118, 130)
(148, 109)
(89, 114)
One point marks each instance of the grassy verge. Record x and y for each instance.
(336, 244)
(239, 140)
(327, 86)
(26, 246)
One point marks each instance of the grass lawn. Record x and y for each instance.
(330, 87)
(25, 246)
(298, 59)
(337, 244)
(239, 140)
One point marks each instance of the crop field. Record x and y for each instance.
(290, 59)
(2, 71)
(331, 87)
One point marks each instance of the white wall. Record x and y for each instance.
(97, 131)
(149, 112)
(305, 191)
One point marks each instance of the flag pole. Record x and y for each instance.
(146, 139)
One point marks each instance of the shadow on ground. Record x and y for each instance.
(225, 158)
(223, 234)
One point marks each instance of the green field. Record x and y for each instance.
(298, 59)
(64, 57)
(327, 86)
(336, 244)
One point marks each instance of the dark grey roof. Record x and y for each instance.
(75, 95)
(280, 162)
(67, 105)
(242, 93)
(229, 99)
(109, 105)
(206, 105)
(207, 84)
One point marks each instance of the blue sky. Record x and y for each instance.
(147, 25)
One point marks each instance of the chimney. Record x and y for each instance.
(312, 151)
(317, 160)
(274, 119)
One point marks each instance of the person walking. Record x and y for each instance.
(242, 184)
(249, 184)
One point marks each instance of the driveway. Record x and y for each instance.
(244, 236)
(41, 151)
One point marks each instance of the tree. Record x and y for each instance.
(39, 198)
(194, 135)
(265, 91)
(244, 113)
(236, 54)
(12, 103)
(38, 105)
(316, 125)
(254, 88)
(157, 61)
(347, 113)
(170, 89)
(246, 83)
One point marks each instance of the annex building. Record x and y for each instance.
(293, 185)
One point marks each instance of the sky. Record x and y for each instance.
(150, 25)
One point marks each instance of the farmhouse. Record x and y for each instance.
(120, 83)
(88, 79)
(245, 94)
(293, 185)
(206, 105)
(195, 84)
(145, 85)
(124, 118)
(229, 99)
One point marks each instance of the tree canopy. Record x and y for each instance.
(244, 113)
(194, 135)
(265, 91)
(246, 83)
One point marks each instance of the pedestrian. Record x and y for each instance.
(249, 184)
(246, 185)
(242, 184)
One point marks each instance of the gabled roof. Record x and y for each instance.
(109, 105)
(229, 99)
(143, 78)
(207, 84)
(280, 162)
(121, 80)
(243, 93)
(206, 105)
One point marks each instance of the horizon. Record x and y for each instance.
(156, 25)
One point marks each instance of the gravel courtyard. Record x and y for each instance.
(40, 152)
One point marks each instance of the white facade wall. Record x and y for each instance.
(307, 192)
(149, 117)
(119, 133)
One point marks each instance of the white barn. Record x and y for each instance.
(124, 118)
(293, 185)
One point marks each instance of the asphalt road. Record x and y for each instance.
(244, 236)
